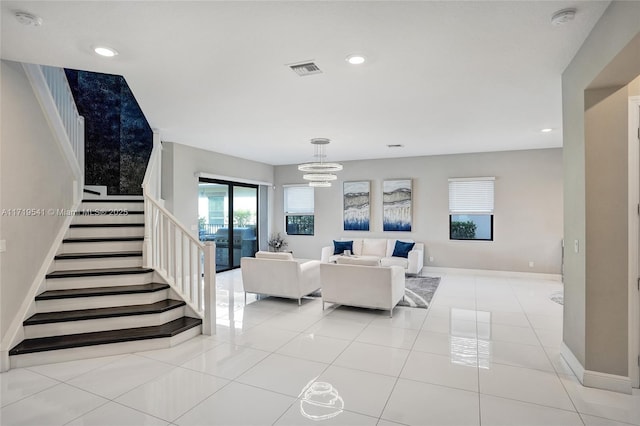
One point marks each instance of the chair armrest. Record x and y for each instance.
(397, 284)
(326, 253)
(416, 261)
(310, 276)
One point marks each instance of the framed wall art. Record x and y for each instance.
(396, 205)
(356, 205)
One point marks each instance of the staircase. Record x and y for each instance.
(99, 299)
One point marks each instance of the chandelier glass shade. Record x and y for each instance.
(319, 173)
(319, 177)
(320, 184)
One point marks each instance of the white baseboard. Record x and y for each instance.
(574, 364)
(594, 379)
(612, 382)
(487, 272)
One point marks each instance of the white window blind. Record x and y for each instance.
(298, 199)
(471, 195)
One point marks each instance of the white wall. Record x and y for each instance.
(608, 58)
(33, 175)
(181, 163)
(527, 220)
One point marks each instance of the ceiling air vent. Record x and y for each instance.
(306, 68)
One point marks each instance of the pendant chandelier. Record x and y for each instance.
(319, 173)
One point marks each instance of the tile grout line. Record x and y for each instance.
(393, 388)
(509, 280)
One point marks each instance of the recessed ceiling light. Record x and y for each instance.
(547, 130)
(26, 18)
(105, 51)
(356, 59)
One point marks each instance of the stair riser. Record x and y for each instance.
(99, 281)
(108, 218)
(100, 263)
(112, 205)
(101, 247)
(102, 324)
(77, 303)
(64, 355)
(134, 231)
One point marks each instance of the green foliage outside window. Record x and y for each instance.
(300, 225)
(463, 230)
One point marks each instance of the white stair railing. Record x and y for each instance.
(184, 262)
(54, 94)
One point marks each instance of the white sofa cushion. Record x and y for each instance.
(394, 261)
(358, 260)
(374, 247)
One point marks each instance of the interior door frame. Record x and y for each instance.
(634, 241)
(230, 185)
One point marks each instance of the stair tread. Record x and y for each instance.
(101, 291)
(105, 225)
(69, 341)
(101, 239)
(97, 313)
(98, 272)
(98, 255)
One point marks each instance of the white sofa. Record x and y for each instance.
(362, 286)
(279, 274)
(381, 248)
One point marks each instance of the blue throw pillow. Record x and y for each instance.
(340, 246)
(402, 249)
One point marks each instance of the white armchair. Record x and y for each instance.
(278, 274)
(362, 286)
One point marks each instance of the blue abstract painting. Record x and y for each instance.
(396, 203)
(356, 205)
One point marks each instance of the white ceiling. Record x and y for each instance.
(441, 77)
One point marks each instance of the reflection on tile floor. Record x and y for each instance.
(486, 352)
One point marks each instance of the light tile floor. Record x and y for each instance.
(486, 353)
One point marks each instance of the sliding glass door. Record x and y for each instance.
(228, 215)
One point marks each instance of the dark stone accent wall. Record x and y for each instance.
(118, 138)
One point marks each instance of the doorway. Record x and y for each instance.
(228, 216)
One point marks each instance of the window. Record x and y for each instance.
(298, 210)
(471, 208)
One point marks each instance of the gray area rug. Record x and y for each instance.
(418, 291)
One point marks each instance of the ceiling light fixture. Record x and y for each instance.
(319, 173)
(107, 52)
(547, 130)
(356, 59)
(563, 16)
(26, 18)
